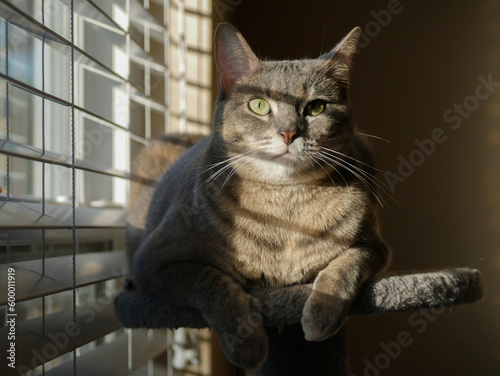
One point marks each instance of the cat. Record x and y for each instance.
(280, 193)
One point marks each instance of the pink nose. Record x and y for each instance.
(288, 136)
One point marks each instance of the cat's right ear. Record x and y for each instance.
(233, 56)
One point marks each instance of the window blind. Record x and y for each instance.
(83, 86)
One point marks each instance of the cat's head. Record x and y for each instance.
(282, 122)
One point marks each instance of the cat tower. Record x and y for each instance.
(289, 353)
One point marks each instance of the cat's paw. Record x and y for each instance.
(244, 339)
(323, 316)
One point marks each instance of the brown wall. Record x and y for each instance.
(416, 66)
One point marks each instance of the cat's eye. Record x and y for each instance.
(315, 108)
(259, 106)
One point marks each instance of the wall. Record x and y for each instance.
(421, 62)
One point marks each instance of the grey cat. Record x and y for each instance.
(279, 194)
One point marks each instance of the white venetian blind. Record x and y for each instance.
(83, 86)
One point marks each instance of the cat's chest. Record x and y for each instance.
(287, 236)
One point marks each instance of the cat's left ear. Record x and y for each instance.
(233, 56)
(340, 58)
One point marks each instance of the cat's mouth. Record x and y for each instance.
(287, 157)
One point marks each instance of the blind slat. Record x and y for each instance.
(90, 268)
(93, 116)
(141, 15)
(24, 21)
(138, 52)
(30, 152)
(23, 86)
(24, 215)
(17, 17)
(139, 97)
(98, 13)
(109, 360)
(33, 347)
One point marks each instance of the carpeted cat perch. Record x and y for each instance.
(289, 353)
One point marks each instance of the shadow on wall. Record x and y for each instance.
(427, 78)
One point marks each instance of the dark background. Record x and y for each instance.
(414, 68)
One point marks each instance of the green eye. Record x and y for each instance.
(315, 107)
(259, 106)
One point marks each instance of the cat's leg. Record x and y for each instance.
(233, 314)
(336, 286)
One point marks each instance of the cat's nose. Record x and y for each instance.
(288, 136)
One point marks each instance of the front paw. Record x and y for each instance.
(323, 315)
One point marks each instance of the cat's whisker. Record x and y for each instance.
(310, 159)
(373, 136)
(245, 158)
(228, 164)
(356, 172)
(216, 173)
(223, 162)
(210, 167)
(351, 158)
(380, 184)
(233, 172)
(319, 155)
(232, 160)
(362, 175)
(319, 164)
(296, 172)
(221, 171)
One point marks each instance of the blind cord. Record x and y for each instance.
(7, 116)
(73, 171)
(43, 172)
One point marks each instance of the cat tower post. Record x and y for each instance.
(289, 353)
